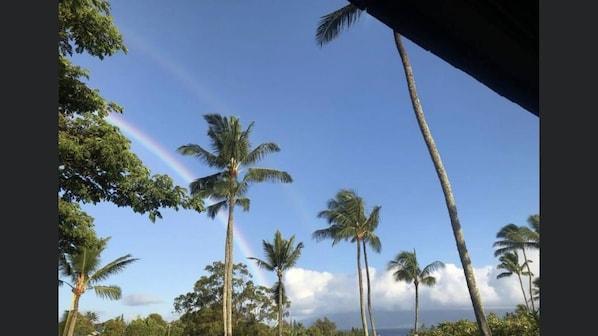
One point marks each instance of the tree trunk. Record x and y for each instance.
(367, 273)
(279, 305)
(228, 261)
(364, 322)
(446, 189)
(529, 274)
(70, 325)
(523, 290)
(416, 308)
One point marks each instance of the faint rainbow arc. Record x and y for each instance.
(173, 163)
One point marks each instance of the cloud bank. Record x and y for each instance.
(316, 294)
(141, 300)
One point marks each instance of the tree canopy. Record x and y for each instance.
(95, 162)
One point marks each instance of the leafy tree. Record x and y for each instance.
(405, 268)
(83, 270)
(149, 326)
(348, 221)
(232, 154)
(83, 327)
(513, 238)
(509, 262)
(114, 327)
(322, 327)
(201, 309)
(95, 163)
(281, 255)
(329, 29)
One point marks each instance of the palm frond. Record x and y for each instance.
(203, 155)
(215, 208)
(259, 152)
(330, 25)
(243, 202)
(207, 185)
(114, 267)
(266, 174)
(108, 292)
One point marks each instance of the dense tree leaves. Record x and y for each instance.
(95, 162)
(201, 309)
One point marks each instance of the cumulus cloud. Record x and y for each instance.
(141, 300)
(319, 293)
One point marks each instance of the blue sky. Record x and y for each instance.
(342, 117)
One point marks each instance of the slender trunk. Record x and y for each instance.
(279, 305)
(73, 319)
(523, 290)
(229, 271)
(529, 275)
(369, 288)
(446, 189)
(364, 322)
(416, 307)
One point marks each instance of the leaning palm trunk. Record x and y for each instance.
(446, 189)
(523, 291)
(359, 277)
(369, 288)
(70, 327)
(529, 275)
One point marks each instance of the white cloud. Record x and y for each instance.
(140, 300)
(315, 293)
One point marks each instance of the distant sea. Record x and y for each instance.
(392, 332)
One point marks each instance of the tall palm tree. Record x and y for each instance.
(348, 221)
(232, 154)
(329, 29)
(513, 238)
(371, 239)
(405, 268)
(281, 255)
(509, 262)
(83, 269)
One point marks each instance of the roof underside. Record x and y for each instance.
(494, 41)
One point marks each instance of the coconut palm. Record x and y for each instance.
(348, 221)
(536, 291)
(405, 267)
(513, 238)
(280, 255)
(233, 157)
(509, 262)
(83, 269)
(374, 242)
(329, 29)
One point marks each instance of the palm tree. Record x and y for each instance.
(513, 238)
(347, 221)
(82, 267)
(329, 29)
(280, 256)
(406, 268)
(371, 239)
(536, 291)
(509, 262)
(232, 153)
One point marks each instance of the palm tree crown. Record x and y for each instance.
(82, 268)
(232, 156)
(281, 255)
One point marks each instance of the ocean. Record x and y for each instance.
(392, 331)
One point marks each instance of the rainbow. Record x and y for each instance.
(173, 163)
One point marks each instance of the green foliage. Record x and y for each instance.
(520, 324)
(322, 327)
(95, 163)
(253, 307)
(114, 327)
(83, 327)
(146, 327)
